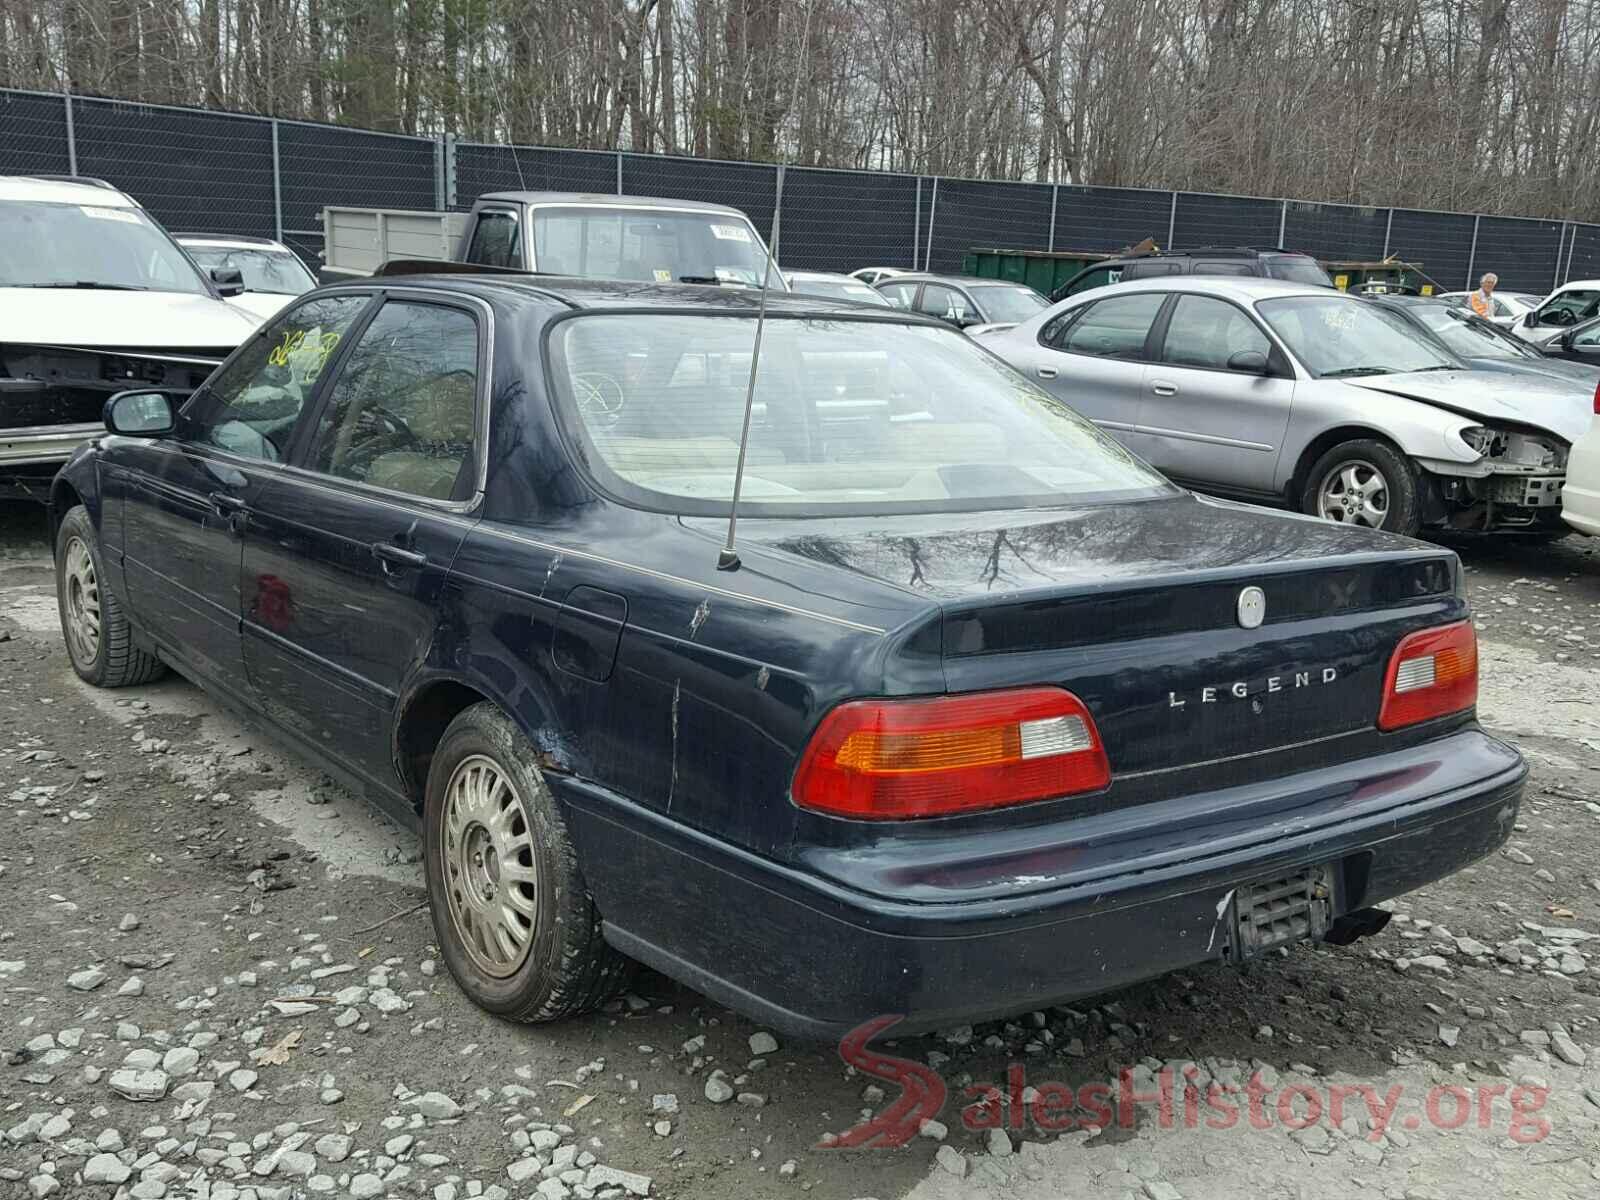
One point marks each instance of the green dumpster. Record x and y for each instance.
(1043, 271)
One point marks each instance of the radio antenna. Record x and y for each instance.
(728, 560)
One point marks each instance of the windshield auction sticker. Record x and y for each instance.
(730, 233)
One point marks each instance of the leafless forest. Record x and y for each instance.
(1461, 104)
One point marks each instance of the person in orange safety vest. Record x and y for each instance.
(1482, 300)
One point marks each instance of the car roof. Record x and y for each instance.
(831, 276)
(1244, 288)
(1579, 283)
(609, 200)
(62, 189)
(603, 294)
(229, 241)
(954, 280)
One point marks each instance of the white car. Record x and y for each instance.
(273, 273)
(1507, 308)
(876, 275)
(834, 287)
(1581, 498)
(1570, 304)
(95, 298)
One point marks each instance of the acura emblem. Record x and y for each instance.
(1252, 607)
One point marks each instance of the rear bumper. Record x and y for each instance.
(812, 957)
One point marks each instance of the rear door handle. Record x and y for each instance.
(390, 556)
(1162, 388)
(1047, 372)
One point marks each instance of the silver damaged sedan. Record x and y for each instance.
(1283, 393)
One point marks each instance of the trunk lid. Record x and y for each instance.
(1140, 610)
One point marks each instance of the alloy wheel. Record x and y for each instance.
(82, 603)
(488, 863)
(1354, 492)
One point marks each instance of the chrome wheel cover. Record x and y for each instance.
(487, 851)
(81, 603)
(1354, 492)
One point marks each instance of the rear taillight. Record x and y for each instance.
(1432, 674)
(898, 759)
(1597, 399)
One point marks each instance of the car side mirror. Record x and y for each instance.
(1248, 362)
(140, 414)
(229, 281)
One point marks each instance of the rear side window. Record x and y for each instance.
(1206, 332)
(1092, 278)
(1224, 268)
(497, 241)
(1115, 327)
(401, 414)
(1296, 268)
(1152, 270)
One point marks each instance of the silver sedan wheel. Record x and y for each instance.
(488, 863)
(82, 603)
(1354, 492)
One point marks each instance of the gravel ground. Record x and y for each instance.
(216, 981)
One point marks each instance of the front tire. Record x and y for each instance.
(98, 637)
(1365, 482)
(515, 921)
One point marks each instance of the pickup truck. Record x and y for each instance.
(558, 233)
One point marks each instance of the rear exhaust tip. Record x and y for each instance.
(1353, 926)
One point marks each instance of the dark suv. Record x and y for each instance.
(1273, 263)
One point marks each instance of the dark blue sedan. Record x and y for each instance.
(987, 715)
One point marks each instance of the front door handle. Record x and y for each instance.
(1047, 372)
(391, 557)
(231, 509)
(1162, 388)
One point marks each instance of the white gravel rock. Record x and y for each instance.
(135, 1084)
(243, 1079)
(631, 1182)
(87, 980)
(364, 1186)
(105, 1168)
(180, 1060)
(333, 1147)
(763, 1044)
(435, 1106)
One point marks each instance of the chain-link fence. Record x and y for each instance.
(231, 173)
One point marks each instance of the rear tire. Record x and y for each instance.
(514, 918)
(98, 637)
(1365, 482)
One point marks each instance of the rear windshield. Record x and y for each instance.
(1007, 302)
(90, 246)
(649, 245)
(1296, 268)
(839, 289)
(851, 416)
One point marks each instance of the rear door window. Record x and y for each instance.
(496, 241)
(1116, 327)
(400, 415)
